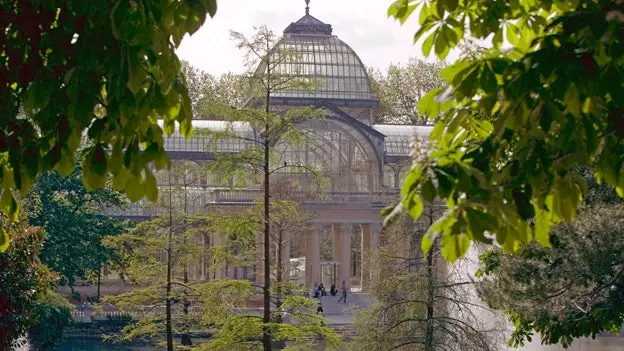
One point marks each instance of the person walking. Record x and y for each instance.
(343, 292)
(319, 307)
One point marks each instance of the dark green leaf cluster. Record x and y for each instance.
(54, 316)
(24, 282)
(100, 72)
(557, 98)
(575, 289)
(73, 220)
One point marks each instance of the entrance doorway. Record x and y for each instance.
(329, 272)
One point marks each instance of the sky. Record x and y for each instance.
(362, 24)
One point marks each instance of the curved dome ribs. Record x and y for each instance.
(309, 53)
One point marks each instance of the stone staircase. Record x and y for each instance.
(342, 313)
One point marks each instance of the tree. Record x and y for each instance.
(73, 220)
(156, 255)
(105, 70)
(570, 291)
(261, 131)
(420, 302)
(237, 329)
(25, 282)
(557, 104)
(53, 316)
(400, 89)
(205, 89)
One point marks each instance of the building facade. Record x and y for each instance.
(363, 161)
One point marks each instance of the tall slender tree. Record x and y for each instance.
(261, 130)
(420, 301)
(157, 254)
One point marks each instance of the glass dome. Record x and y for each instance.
(333, 68)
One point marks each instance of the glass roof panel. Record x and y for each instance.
(320, 57)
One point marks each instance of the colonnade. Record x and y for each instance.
(341, 266)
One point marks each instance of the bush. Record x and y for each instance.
(54, 315)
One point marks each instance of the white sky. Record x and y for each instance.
(362, 24)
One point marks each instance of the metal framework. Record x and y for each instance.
(362, 161)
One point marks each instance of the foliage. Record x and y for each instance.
(24, 282)
(400, 89)
(54, 315)
(147, 254)
(421, 302)
(99, 71)
(570, 291)
(557, 101)
(205, 89)
(241, 329)
(73, 220)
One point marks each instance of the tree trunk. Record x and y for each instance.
(169, 247)
(266, 318)
(99, 281)
(280, 271)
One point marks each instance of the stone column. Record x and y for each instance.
(313, 255)
(365, 255)
(345, 254)
(375, 233)
(337, 231)
(308, 255)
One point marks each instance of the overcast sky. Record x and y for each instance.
(362, 24)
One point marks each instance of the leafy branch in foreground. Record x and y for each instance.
(556, 99)
(99, 73)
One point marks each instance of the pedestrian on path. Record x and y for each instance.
(319, 307)
(343, 291)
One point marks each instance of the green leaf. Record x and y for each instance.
(444, 40)
(151, 188)
(455, 246)
(411, 181)
(135, 188)
(428, 44)
(543, 223)
(428, 191)
(414, 205)
(9, 205)
(427, 104)
(424, 14)
(478, 223)
(4, 240)
(212, 7)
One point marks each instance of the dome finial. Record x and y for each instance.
(307, 7)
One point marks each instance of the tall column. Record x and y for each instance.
(308, 255)
(337, 231)
(375, 233)
(316, 253)
(365, 255)
(345, 254)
